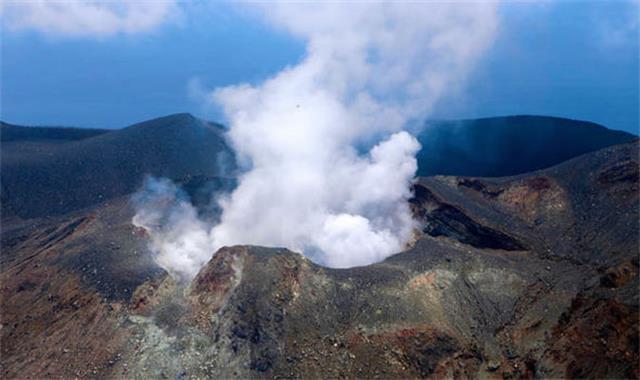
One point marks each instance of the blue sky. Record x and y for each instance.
(569, 59)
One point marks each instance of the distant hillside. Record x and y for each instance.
(42, 179)
(10, 132)
(502, 146)
(51, 171)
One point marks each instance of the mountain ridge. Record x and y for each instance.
(59, 160)
(40, 178)
(509, 145)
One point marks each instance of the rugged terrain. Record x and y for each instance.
(534, 275)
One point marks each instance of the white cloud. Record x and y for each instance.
(316, 180)
(77, 18)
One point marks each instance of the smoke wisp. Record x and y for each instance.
(178, 238)
(327, 165)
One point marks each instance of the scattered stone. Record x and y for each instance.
(493, 365)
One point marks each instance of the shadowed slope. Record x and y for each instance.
(53, 179)
(501, 146)
(10, 132)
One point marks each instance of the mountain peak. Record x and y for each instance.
(176, 118)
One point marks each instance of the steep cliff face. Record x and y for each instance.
(527, 276)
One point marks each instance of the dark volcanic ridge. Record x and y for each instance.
(53, 171)
(40, 178)
(509, 145)
(534, 275)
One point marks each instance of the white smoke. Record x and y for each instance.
(179, 240)
(369, 69)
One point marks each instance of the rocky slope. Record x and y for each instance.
(528, 276)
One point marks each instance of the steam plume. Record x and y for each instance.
(311, 183)
(179, 240)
